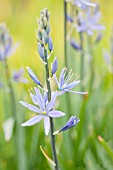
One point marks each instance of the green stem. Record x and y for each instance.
(51, 119)
(65, 33)
(82, 62)
(91, 62)
(106, 147)
(18, 143)
(68, 103)
(12, 96)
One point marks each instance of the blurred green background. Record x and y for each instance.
(79, 148)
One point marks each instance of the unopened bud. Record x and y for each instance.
(44, 21)
(41, 50)
(50, 44)
(44, 36)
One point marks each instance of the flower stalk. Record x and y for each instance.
(65, 33)
(51, 119)
(44, 100)
(11, 90)
(90, 50)
(82, 60)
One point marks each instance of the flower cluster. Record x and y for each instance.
(6, 47)
(6, 50)
(43, 35)
(87, 20)
(43, 104)
(90, 22)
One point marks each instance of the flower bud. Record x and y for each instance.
(47, 28)
(50, 44)
(41, 25)
(40, 35)
(33, 76)
(44, 21)
(75, 45)
(54, 66)
(41, 50)
(45, 37)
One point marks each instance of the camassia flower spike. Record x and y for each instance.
(71, 122)
(44, 109)
(67, 82)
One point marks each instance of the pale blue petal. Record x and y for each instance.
(81, 28)
(89, 32)
(46, 125)
(40, 99)
(76, 92)
(89, 3)
(34, 99)
(55, 114)
(50, 105)
(56, 80)
(98, 27)
(45, 97)
(30, 107)
(71, 85)
(33, 120)
(62, 75)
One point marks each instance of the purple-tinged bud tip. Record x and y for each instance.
(69, 19)
(75, 45)
(54, 66)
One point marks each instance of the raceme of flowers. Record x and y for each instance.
(44, 107)
(86, 20)
(6, 47)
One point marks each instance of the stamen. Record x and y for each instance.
(70, 79)
(68, 75)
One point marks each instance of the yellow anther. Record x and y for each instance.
(44, 112)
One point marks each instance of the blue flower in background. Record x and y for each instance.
(1, 84)
(18, 76)
(108, 59)
(6, 47)
(67, 82)
(43, 108)
(83, 3)
(71, 122)
(90, 22)
(75, 45)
